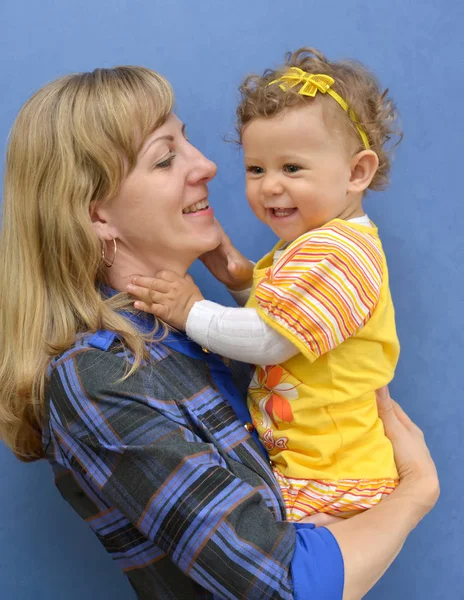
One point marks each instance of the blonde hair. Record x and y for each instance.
(375, 111)
(73, 142)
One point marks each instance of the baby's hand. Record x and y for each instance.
(167, 296)
(229, 265)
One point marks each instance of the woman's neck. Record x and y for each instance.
(125, 266)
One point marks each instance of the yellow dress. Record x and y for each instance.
(316, 414)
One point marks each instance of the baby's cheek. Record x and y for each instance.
(255, 204)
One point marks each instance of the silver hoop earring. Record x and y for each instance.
(115, 249)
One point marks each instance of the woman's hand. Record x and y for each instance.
(228, 265)
(167, 296)
(321, 520)
(418, 475)
(370, 541)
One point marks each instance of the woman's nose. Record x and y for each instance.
(203, 169)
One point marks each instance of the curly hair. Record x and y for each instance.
(374, 109)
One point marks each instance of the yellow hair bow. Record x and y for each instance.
(318, 83)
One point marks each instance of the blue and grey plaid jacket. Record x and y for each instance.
(164, 472)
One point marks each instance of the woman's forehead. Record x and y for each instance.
(171, 126)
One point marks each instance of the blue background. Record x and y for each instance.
(205, 48)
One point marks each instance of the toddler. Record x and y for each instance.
(318, 320)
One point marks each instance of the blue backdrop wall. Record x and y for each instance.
(205, 48)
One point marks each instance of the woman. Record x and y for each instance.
(143, 429)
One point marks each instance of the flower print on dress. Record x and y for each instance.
(271, 392)
(270, 442)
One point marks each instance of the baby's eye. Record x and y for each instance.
(291, 168)
(254, 170)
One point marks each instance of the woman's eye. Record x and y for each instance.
(164, 164)
(292, 168)
(254, 170)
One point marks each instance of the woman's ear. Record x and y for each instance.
(98, 216)
(363, 168)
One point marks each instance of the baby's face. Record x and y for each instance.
(297, 172)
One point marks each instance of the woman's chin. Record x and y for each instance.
(211, 243)
(196, 241)
(210, 237)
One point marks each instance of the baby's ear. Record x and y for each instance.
(363, 168)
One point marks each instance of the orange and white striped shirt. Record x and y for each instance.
(328, 294)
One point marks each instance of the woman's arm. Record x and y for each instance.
(370, 542)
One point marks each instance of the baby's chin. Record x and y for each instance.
(288, 235)
(291, 232)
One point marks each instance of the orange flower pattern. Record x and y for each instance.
(270, 395)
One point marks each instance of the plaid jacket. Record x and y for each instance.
(162, 469)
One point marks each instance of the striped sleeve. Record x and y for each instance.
(324, 289)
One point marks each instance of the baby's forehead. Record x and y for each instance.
(306, 125)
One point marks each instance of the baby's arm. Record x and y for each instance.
(321, 292)
(240, 296)
(237, 333)
(228, 264)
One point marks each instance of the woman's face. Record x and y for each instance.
(161, 216)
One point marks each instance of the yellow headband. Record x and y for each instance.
(318, 83)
